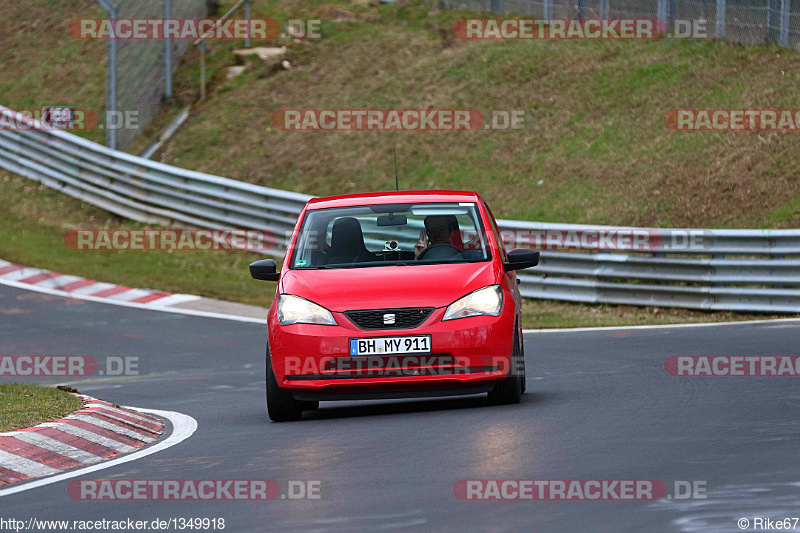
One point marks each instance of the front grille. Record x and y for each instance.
(403, 318)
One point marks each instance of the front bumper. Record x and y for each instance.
(466, 354)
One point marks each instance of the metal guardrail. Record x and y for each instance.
(764, 277)
(144, 190)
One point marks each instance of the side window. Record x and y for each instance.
(500, 244)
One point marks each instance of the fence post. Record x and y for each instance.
(772, 23)
(111, 84)
(167, 54)
(202, 70)
(497, 6)
(721, 8)
(548, 9)
(785, 6)
(247, 16)
(662, 12)
(603, 9)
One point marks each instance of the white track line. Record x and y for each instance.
(183, 426)
(662, 326)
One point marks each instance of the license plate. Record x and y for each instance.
(390, 345)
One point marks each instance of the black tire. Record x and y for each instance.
(281, 405)
(509, 390)
(309, 405)
(522, 378)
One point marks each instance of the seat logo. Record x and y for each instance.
(388, 319)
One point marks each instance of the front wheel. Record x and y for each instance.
(281, 405)
(510, 389)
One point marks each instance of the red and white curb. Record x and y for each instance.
(77, 286)
(96, 432)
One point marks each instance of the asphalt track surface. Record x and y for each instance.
(599, 406)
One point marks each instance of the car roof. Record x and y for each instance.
(393, 197)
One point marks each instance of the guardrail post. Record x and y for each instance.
(717, 256)
(548, 9)
(785, 5)
(168, 54)
(721, 9)
(603, 9)
(497, 6)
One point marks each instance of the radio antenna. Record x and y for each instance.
(396, 179)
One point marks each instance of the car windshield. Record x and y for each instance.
(386, 235)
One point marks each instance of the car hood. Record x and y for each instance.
(388, 286)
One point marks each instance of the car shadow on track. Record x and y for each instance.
(416, 406)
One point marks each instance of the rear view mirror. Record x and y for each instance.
(264, 270)
(392, 220)
(521, 258)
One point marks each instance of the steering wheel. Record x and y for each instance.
(434, 246)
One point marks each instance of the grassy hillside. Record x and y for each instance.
(41, 65)
(597, 152)
(599, 144)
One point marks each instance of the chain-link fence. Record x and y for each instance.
(139, 75)
(744, 21)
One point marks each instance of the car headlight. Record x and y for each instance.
(487, 301)
(296, 310)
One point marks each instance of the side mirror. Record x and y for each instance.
(265, 270)
(520, 258)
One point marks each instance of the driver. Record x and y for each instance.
(439, 228)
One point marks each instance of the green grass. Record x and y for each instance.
(37, 218)
(23, 405)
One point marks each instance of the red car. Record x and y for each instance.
(393, 295)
